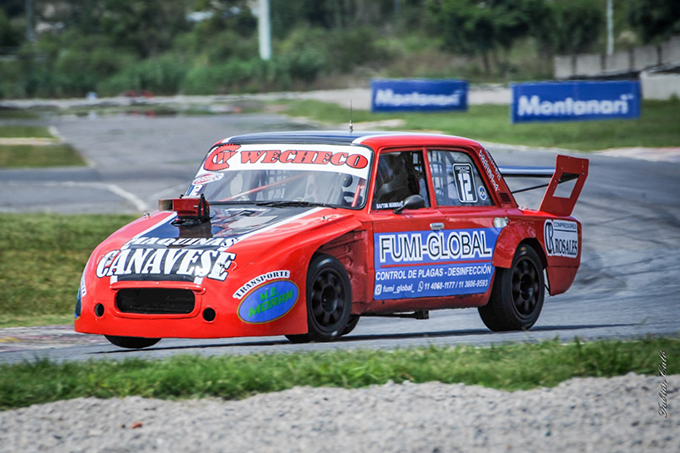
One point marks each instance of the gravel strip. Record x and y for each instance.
(617, 414)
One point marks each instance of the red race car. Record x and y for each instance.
(300, 234)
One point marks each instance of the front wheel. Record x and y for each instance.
(517, 295)
(329, 301)
(132, 342)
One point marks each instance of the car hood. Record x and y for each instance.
(168, 250)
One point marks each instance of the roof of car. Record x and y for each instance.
(342, 138)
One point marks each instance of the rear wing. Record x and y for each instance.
(566, 169)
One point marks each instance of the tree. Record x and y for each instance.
(655, 19)
(9, 35)
(477, 27)
(575, 25)
(145, 26)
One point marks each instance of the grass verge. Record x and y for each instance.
(17, 131)
(41, 260)
(657, 126)
(18, 114)
(508, 367)
(34, 156)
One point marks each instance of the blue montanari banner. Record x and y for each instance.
(418, 95)
(575, 101)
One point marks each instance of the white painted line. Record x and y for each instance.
(137, 202)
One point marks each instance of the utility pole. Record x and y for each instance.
(264, 29)
(610, 27)
(30, 30)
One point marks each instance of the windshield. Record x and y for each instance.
(321, 175)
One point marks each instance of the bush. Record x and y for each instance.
(348, 49)
(305, 65)
(162, 75)
(237, 76)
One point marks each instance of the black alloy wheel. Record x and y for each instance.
(518, 293)
(329, 300)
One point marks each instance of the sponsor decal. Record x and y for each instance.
(390, 205)
(433, 263)
(207, 178)
(326, 158)
(193, 264)
(414, 99)
(215, 243)
(575, 101)
(418, 95)
(268, 302)
(465, 183)
(561, 238)
(82, 291)
(83, 288)
(482, 193)
(194, 191)
(219, 156)
(490, 167)
(535, 106)
(273, 275)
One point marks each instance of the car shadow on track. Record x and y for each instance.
(371, 337)
(462, 333)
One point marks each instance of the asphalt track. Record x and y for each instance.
(628, 285)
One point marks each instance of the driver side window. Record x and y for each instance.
(399, 175)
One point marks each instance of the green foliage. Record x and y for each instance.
(655, 19)
(9, 34)
(479, 28)
(146, 27)
(116, 45)
(203, 45)
(508, 367)
(162, 75)
(571, 24)
(287, 15)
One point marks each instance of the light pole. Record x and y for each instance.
(30, 31)
(264, 30)
(610, 27)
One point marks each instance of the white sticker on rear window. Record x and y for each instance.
(465, 183)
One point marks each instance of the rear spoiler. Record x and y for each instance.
(567, 168)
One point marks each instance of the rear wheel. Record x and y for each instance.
(329, 301)
(518, 292)
(132, 342)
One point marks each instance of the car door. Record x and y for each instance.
(472, 220)
(400, 239)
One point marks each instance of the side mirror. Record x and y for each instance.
(411, 202)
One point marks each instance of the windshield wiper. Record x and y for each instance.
(228, 202)
(293, 203)
(275, 203)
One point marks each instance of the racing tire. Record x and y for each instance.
(517, 295)
(329, 301)
(132, 342)
(351, 324)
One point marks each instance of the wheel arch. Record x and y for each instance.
(511, 239)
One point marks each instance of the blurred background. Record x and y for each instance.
(68, 48)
